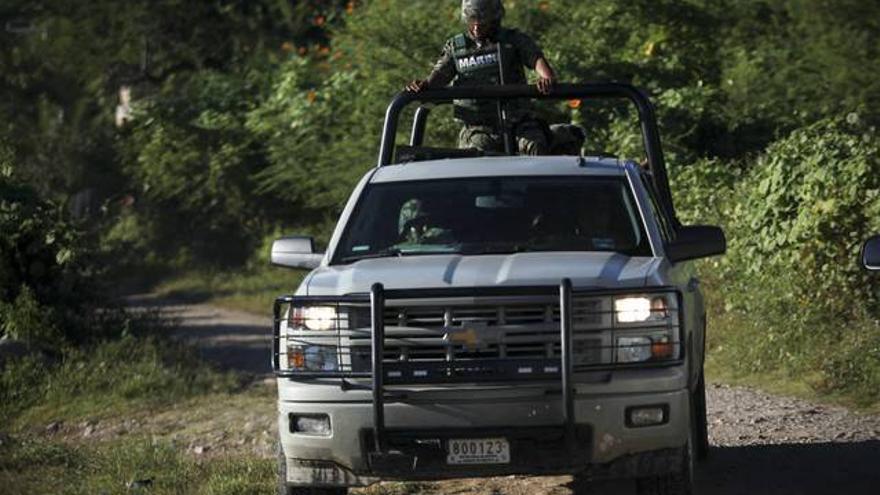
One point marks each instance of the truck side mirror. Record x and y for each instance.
(696, 241)
(295, 252)
(871, 253)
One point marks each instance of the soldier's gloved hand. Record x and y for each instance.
(545, 85)
(416, 85)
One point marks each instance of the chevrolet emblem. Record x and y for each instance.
(472, 335)
(462, 336)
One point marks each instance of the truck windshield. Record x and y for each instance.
(494, 215)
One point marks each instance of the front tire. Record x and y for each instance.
(680, 482)
(701, 421)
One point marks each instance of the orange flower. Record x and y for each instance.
(574, 104)
(349, 9)
(312, 96)
(324, 50)
(319, 20)
(287, 47)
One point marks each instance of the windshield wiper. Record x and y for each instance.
(395, 251)
(494, 248)
(383, 253)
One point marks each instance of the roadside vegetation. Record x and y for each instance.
(81, 376)
(39, 465)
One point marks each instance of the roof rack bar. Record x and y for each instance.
(647, 117)
(420, 120)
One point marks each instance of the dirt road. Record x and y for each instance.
(762, 444)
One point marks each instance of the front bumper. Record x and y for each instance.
(603, 444)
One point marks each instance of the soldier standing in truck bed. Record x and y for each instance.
(471, 58)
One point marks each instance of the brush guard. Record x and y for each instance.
(384, 456)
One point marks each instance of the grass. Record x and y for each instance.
(109, 379)
(251, 290)
(31, 464)
(810, 356)
(167, 397)
(134, 465)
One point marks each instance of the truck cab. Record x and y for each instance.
(496, 315)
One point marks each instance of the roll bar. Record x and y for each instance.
(647, 118)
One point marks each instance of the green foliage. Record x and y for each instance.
(322, 122)
(702, 189)
(789, 295)
(25, 319)
(804, 211)
(666, 47)
(311, 150)
(191, 154)
(48, 271)
(62, 64)
(853, 365)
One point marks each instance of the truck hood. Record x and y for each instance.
(598, 270)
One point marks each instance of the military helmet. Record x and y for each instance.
(482, 10)
(568, 139)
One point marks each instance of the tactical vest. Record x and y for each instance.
(480, 66)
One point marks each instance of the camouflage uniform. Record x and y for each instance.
(465, 63)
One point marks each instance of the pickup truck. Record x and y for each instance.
(496, 315)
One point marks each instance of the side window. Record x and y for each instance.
(666, 231)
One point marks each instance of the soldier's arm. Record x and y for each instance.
(533, 58)
(546, 76)
(442, 74)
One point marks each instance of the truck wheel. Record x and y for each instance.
(701, 421)
(284, 489)
(678, 483)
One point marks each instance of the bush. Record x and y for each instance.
(804, 211)
(193, 160)
(790, 293)
(48, 270)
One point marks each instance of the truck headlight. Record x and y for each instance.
(641, 348)
(633, 349)
(312, 357)
(640, 309)
(314, 318)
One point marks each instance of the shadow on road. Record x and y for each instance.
(787, 469)
(238, 347)
(193, 329)
(253, 360)
(802, 469)
(232, 340)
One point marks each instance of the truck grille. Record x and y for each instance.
(461, 332)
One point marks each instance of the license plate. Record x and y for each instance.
(478, 451)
